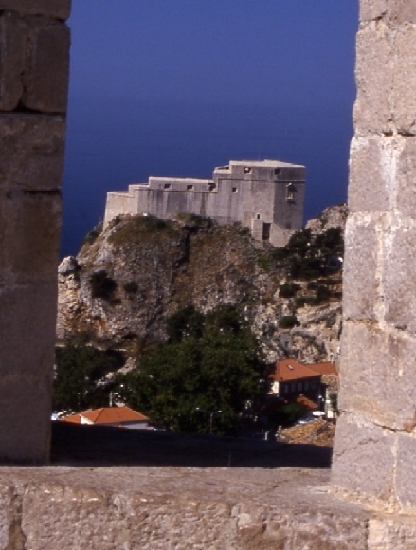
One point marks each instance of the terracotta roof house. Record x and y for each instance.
(120, 417)
(290, 378)
(315, 383)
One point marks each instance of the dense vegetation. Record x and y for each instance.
(197, 381)
(308, 256)
(200, 379)
(79, 375)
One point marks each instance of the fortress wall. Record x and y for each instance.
(34, 47)
(375, 441)
(118, 203)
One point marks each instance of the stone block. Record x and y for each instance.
(12, 60)
(372, 9)
(393, 11)
(25, 408)
(406, 468)
(403, 98)
(29, 236)
(405, 178)
(370, 173)
(59, 9)
(27, 328)
(378, 375)
(31, 152)
(68, 514)
(360, 275)
(46, 77)
(374, 79)
(363, 458)
(399, 265)
(391, 532)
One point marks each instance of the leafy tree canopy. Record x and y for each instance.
(79, 368)
(211, 363)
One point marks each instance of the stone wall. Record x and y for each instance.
(375, 437)
(34, 47)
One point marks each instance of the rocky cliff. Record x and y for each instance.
(128, 279)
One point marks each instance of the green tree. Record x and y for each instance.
(79, 368)
(212, 364)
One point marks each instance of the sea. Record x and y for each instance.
(112, 142)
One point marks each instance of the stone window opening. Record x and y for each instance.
(167, 186)
(290, 192)
(247, 169)
(277, 172)
(234, 190)
(211, 186)
(258, 217)
(265, 234)
(189, 187)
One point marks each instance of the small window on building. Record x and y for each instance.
(277, 172)
(290, 192)
(167, 186)
(247, 169)
(189, 187)
(258, 217)
(234, 189)
(211, 186)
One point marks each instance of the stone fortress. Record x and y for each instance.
(266, 196)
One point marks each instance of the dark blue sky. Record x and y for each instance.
(176, 87)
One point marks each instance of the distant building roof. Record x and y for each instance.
(271, 163)
(324, 368)
(106, 415)
(291, 369)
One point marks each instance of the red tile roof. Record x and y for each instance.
(291, 369)
(107, 415)
(324, 368)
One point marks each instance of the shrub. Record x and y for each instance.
(288, 290)
(92, 235)
(288, 321)
(323, 294)
(130, 287)
(102, 286)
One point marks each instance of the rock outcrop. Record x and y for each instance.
(124, 284)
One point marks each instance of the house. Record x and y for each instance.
(119, 417)
(329, 386)
(266, 196)
(292, 380)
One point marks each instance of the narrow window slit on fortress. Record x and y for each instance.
(189, 187)
(247, 169)
(234, 190)
(167, 186)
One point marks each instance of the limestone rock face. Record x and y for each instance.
(155, 268)
(334, 216)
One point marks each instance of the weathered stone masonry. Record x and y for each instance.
(375, 439)
(34, 50)
(266, 196)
